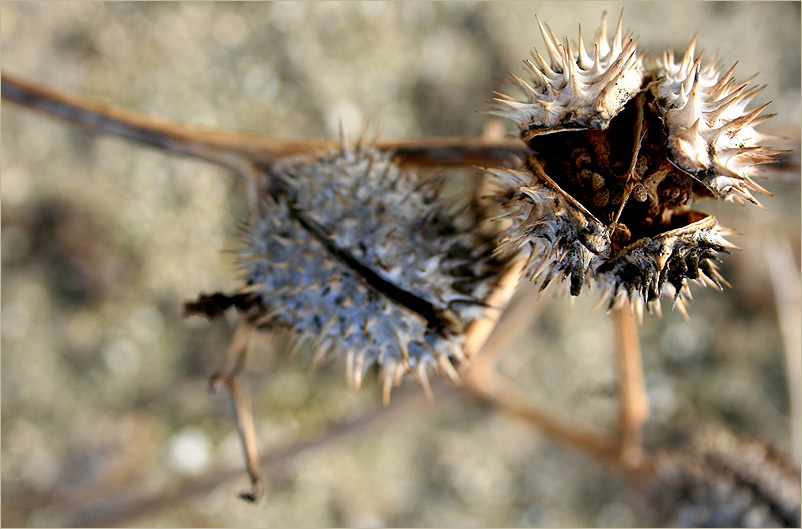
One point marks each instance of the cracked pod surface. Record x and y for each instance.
(623, 144)
(362, 257)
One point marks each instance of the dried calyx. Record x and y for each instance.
(622, 145)
(359, 256)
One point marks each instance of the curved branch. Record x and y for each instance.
(116, 510)
(236, 150)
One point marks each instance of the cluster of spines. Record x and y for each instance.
(317, 213)
(574, 89)
(711, 132)
(563, 234)
(664, 265)
(710, 137)
(722, 482)
(568, 244)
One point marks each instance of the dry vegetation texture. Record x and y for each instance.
(104, 384)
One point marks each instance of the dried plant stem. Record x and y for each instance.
(110, 509)
(518, 316)
(489, 389)
(483, 383)
(623, 451)
(480, 331)
(240, 152)
(633, 399)
(229, 374)
(247, 433)
(785, 281)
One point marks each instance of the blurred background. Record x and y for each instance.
(104, 383)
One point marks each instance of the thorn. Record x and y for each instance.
(377, 134)
(323, 333)
(349, 367)
(601, 36)
(319, 357)
(617, 37)
(550, 44)
(585, 62)
(295, 346)
(423, 380)
(369, 167)
(724, 80)
(680, 304)
(343, 146)
(360, 141)
(445, 364)
(524, 86)
(358, 372)
(404, 351)
(387, 388)
(688, 56)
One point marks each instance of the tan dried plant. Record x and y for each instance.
(351, 247)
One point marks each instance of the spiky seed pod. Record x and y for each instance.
(652, 265)
(607, 193)
(565, 236)
(711, 133)
(361, 257)
(722, 483)
(574, 89)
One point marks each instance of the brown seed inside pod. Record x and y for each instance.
(622, 175)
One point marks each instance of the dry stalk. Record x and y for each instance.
(240, 152)
(632, 390)
(229, 374)
(784, 274)
(101, 509)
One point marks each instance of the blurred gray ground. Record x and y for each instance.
(104, 383)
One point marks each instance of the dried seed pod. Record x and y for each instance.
(643, 269)
(674, 133)
(711, 133)
(722, 483)
(358, 255)
(574, 89)
(564, 234)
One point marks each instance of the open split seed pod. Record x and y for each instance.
(622, 145)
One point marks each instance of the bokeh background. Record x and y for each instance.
(104, 383)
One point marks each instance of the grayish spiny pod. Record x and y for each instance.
(350, 251)
(622, 146)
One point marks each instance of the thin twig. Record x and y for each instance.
(486, 387)
(247, 434)
(632, 389)
(520, 313)
(625, 451)
(239, 151)
(229, 374)
(116, 510)
(785, 281)
(479, 331)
